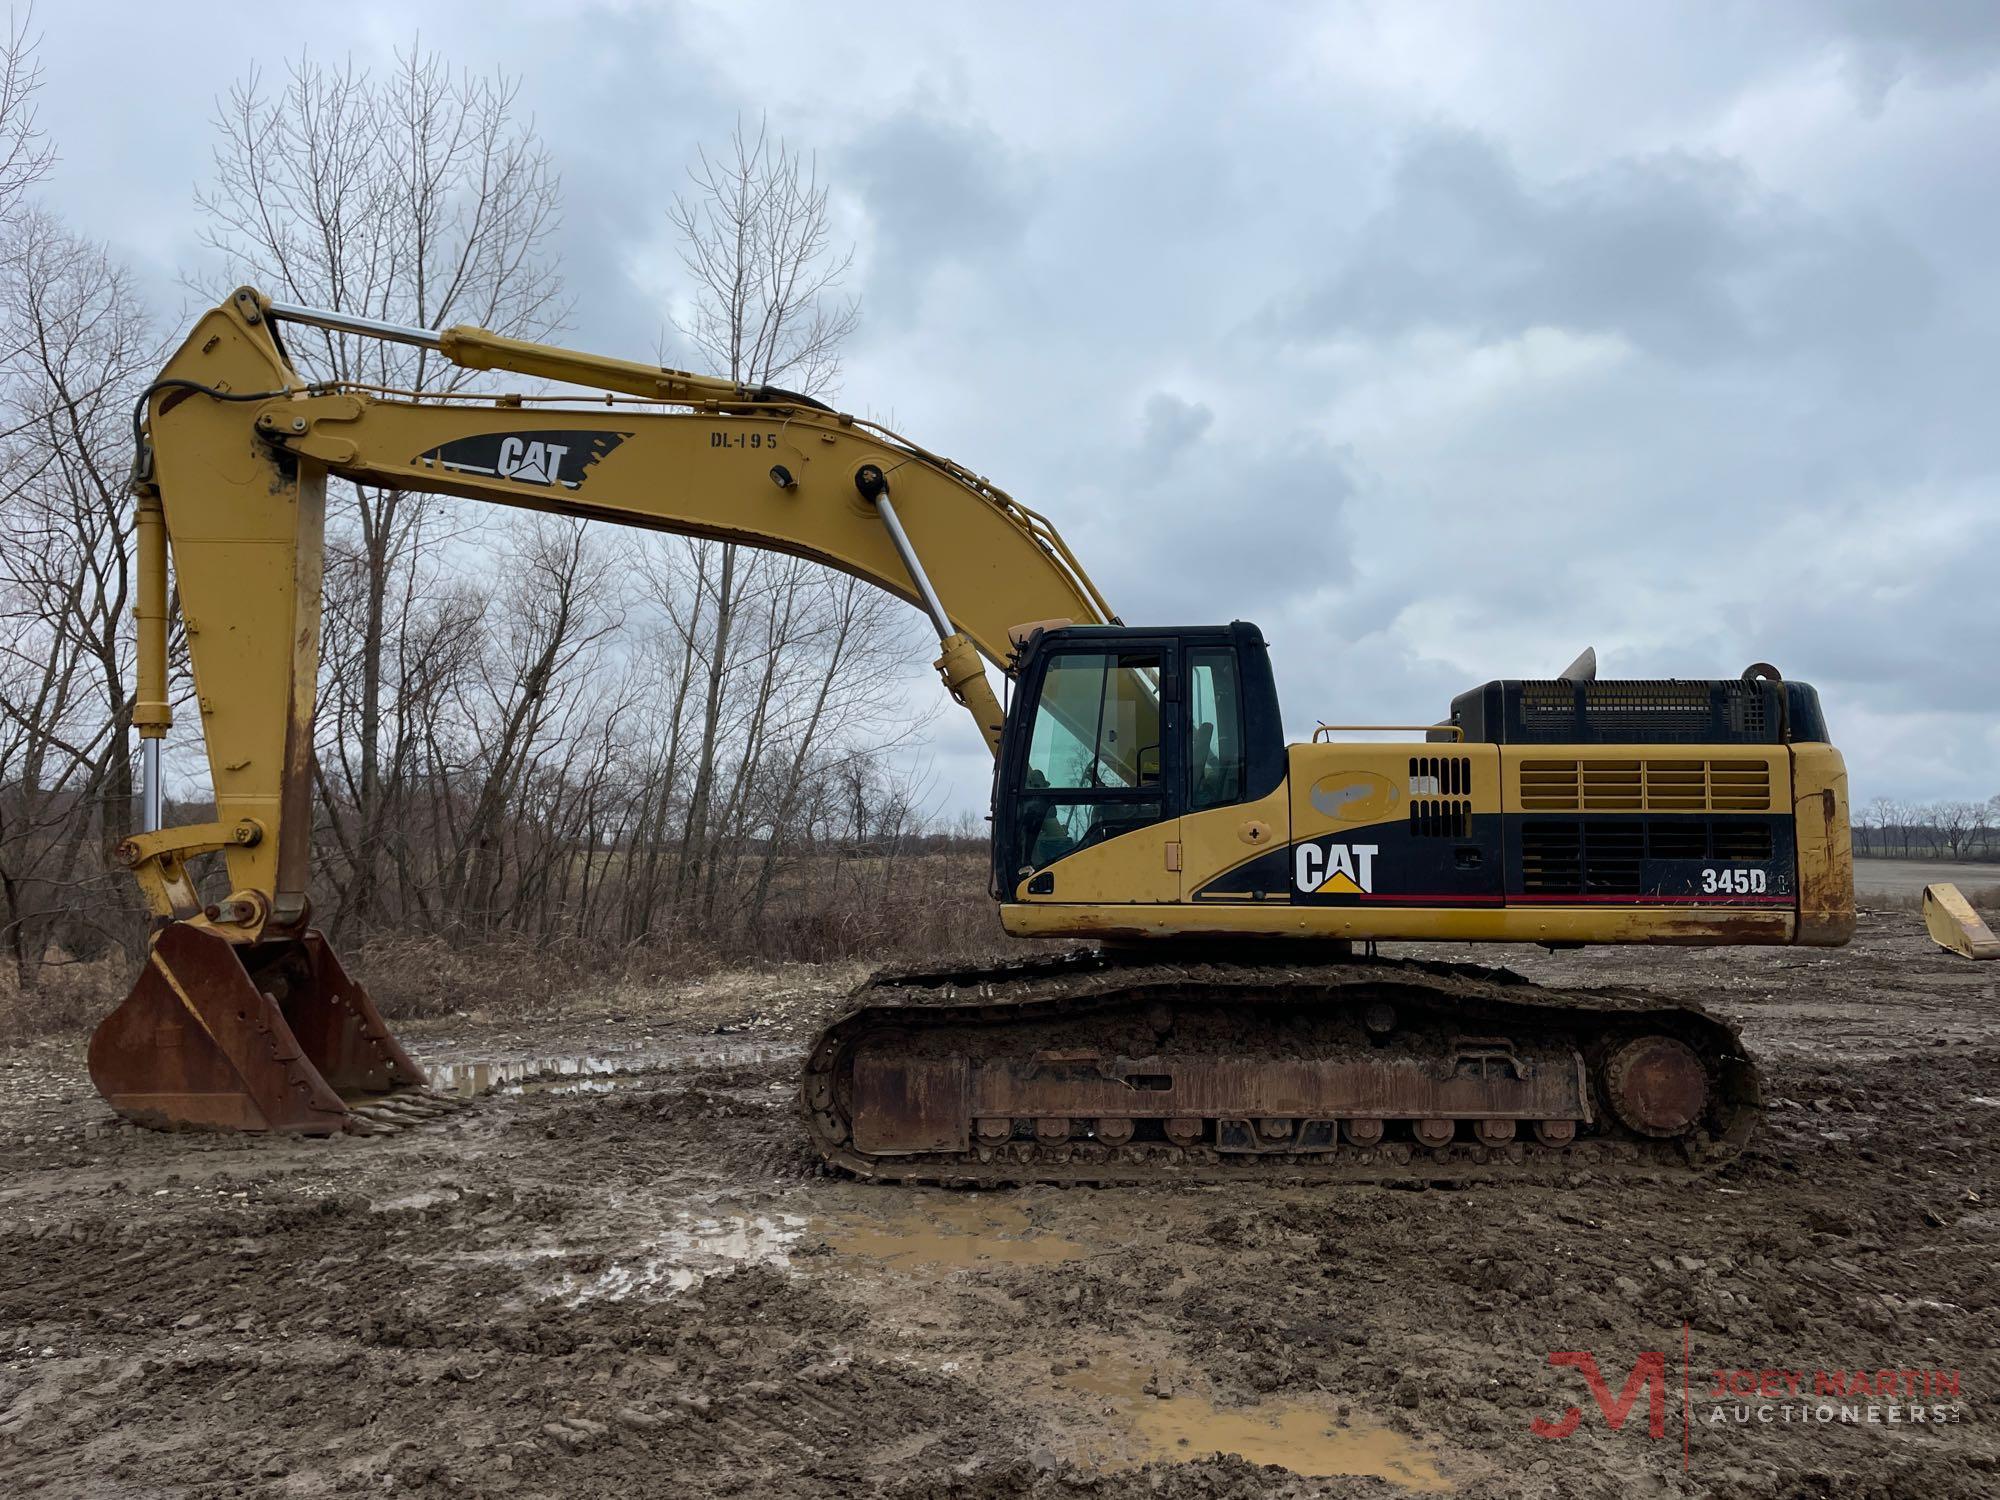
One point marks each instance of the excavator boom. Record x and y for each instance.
(235, 451)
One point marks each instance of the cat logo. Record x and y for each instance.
(530, 463)
(554, 458)
(1335, 869)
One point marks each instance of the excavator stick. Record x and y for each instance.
(1955, 925)
(262, 1036)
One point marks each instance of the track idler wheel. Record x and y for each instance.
(259, 1036)
(1656, 1085)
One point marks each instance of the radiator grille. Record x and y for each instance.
(1688, 786)
(1570, 857)
(1582, 858)
(1643, 712)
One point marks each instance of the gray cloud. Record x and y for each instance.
(1168, 427)
(1937, 43)
(1683, 254)
(1187, 525)
(937, 191)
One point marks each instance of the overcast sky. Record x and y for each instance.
(1441, 341)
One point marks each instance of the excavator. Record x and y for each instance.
(1220, 1008)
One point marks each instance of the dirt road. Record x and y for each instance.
(635, 1283)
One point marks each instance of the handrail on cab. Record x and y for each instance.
(1326, 732)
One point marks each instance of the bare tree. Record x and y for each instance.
(420, 197)
(25, 152)
(82, 349)
(757, 245)
(528, 703)
(1957, 825)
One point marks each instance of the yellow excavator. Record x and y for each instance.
(1229, 1013)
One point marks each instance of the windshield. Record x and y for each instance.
(1097, 726)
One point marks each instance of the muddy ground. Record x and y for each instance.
(636, 1283)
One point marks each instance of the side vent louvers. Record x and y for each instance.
(1612, 853)
(1564, 858)
(1751, 841)
(1440, 775)
(1551, 857)
(1548, 786)
(1739, 785)
(1613, 786)
(1441, 796)
(1645, 786)
(1677, 840)
(1441, 820)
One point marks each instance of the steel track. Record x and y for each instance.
(1011, 1000)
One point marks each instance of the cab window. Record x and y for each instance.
(1097, 726)
(1095, 768)
(1215, 730)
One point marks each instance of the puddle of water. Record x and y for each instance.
(1305, 1439)
(468, 1079)
(953, 1232)
(589, 1074)
(421, 1198)
(696, 1248)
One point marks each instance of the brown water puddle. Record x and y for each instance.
(1302, 1437)
(954, 1231)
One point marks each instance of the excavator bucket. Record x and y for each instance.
(265, 1036)
(1955, 925)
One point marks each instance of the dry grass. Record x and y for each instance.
(67, 996)
(842, 919)
(844, 916)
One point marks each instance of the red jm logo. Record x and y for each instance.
(1648, 1374)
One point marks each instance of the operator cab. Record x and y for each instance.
(1114, 728)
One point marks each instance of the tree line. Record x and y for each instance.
(529, 729)
(1929, 830)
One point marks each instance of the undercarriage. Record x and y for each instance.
(1109, 1067)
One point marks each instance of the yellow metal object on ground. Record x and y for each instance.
(1955, 925)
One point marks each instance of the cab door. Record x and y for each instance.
(1232, 840)
(1094, 812)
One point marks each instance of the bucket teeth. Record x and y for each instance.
(402, 1111)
